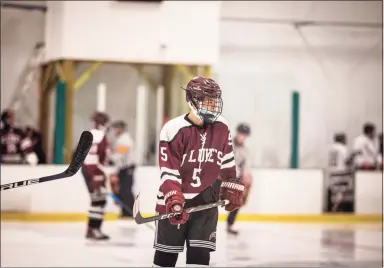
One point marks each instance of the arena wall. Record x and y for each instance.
(276, 195)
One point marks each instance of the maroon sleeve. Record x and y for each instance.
(26, 142)
(102, 150)
(170, 153)
(228, 164)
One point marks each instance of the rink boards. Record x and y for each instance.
(280, 195)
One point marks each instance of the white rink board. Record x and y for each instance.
(275, 192)
(369, 193)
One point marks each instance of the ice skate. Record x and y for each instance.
(231, 231)
(96, 234)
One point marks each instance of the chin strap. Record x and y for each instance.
(195, 113)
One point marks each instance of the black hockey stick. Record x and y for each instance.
(140, 219)
(81, 152)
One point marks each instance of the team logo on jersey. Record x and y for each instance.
(203, 139)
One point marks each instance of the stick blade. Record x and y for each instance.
(81, 152)
(136, 212)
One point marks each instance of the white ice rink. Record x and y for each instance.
(259, 244)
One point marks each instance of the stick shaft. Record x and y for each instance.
(18, 184)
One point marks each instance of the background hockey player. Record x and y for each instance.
(95, 177)
(195, 149)
(16, 147)
(368, 144)
(340, 188)
(123, 158)
(241, 157)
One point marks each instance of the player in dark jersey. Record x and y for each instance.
(195, 151)
(95, 177)
(241, 157)
(16, 147)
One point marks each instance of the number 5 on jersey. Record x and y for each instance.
(164, 156)
(196, 179)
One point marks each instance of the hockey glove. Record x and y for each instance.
(174, 202)
(232, 191)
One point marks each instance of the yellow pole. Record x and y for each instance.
(69, 74)
(60, 70)
(44, 103)
(167, 83)
(84, 77)
(185, 73)
(208, 71)
(145, 76)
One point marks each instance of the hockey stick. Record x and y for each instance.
(140, 219)
(81, 152)
(117, 200)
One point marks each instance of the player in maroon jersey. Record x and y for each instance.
(16, 147)
(195, 150)
(95, 177)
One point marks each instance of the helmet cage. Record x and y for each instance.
(207, 109)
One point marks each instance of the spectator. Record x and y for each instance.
(367, 145)
(37, 142)
(16, 147)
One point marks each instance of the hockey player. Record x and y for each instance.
(368, 145)
(340, 176)
(195, 150)
(93, 171)
(16, 147)
(241, 157)
(123, 158)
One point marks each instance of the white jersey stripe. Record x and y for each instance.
(168, 170)
(160, 202)
(229, 164)
(170, 178)
(227, 156)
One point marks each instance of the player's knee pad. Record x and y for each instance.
(165, 259)
(198, 256)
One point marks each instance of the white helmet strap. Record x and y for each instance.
(194, 111)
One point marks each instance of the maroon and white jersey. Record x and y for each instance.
(95, 160)
(191, 157)
(14, 145)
